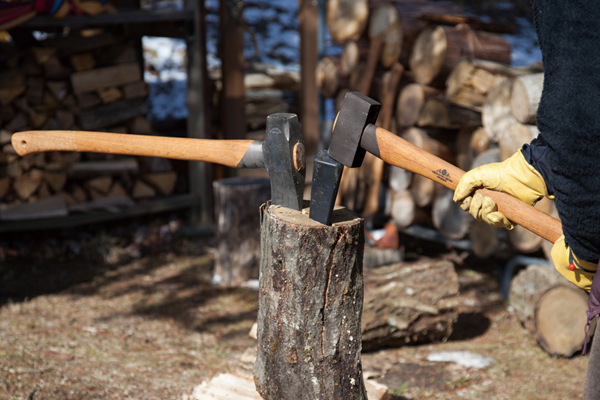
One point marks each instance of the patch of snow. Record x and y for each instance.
(525, 49)
(463, 358)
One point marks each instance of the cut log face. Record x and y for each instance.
(310, 306)
(496, 113)
(403, 209)
(409, 303)
(486, 240)
(525, 97)
(525, 241)
(515, 137)
(438, 50)
(328, 76)
(559, 319)
(448, 218)
(347, 19)
(551, 308)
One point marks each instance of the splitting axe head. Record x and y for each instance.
(358, 113)
(281, 153)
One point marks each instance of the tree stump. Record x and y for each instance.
(551, 308)
(409, 303)
(237, 205)
(310, 305)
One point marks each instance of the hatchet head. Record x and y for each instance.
(358, 111)
(284, 159)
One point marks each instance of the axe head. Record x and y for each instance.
(358, 111)
(283, 154)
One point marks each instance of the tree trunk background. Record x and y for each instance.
(237, 204)
(310, 306)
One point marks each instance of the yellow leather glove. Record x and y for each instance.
(514, 176)
(579, 272)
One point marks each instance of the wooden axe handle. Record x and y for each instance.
(225, 152)
(399, 152)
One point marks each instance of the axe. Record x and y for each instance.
(355, 133)
(281, 153)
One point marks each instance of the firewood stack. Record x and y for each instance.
(458, 98)
(78, 82)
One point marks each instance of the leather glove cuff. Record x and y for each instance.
(516, 168)
(575, 270)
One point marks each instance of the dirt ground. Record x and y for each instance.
(128, 311)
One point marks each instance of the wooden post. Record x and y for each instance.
(309, 104)
(197, 124)
(233, 117)
(237, 204)
(310, 305)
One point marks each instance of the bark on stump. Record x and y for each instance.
(237, 205)
(310, 305)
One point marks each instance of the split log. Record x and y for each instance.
(447, 216)
(409, 303)
(237, 201)
(346, 19)
(472, 79)
(486, 240)
(525, 97)
(438, 50)
(525, 241)
(5, 182)
(410, 102)
(411, 19)
(496, 114)
(515, 137)
(469, 143)
(381, 21)
(392, 42)
(135, 90)
(108, 95)
(551, 308)
(27, 184)
(352, 53)
(115, 166)
(164, 182)
(403, 208)
(112, 114)
(330, 77)
(399, 178)
(310, 306)
(141, 190)
(101, 78)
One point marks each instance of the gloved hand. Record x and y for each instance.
(514, 176)
(579, 272)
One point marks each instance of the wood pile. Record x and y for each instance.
(446, 81)
(268, 91)
(89, 81)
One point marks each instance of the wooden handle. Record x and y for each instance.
(397, 151)
(225, 152)
(372, 59)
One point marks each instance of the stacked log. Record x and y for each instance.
(458, 98)
(267, 91)
(78, 82)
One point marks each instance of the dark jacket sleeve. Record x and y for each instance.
(568, 149)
